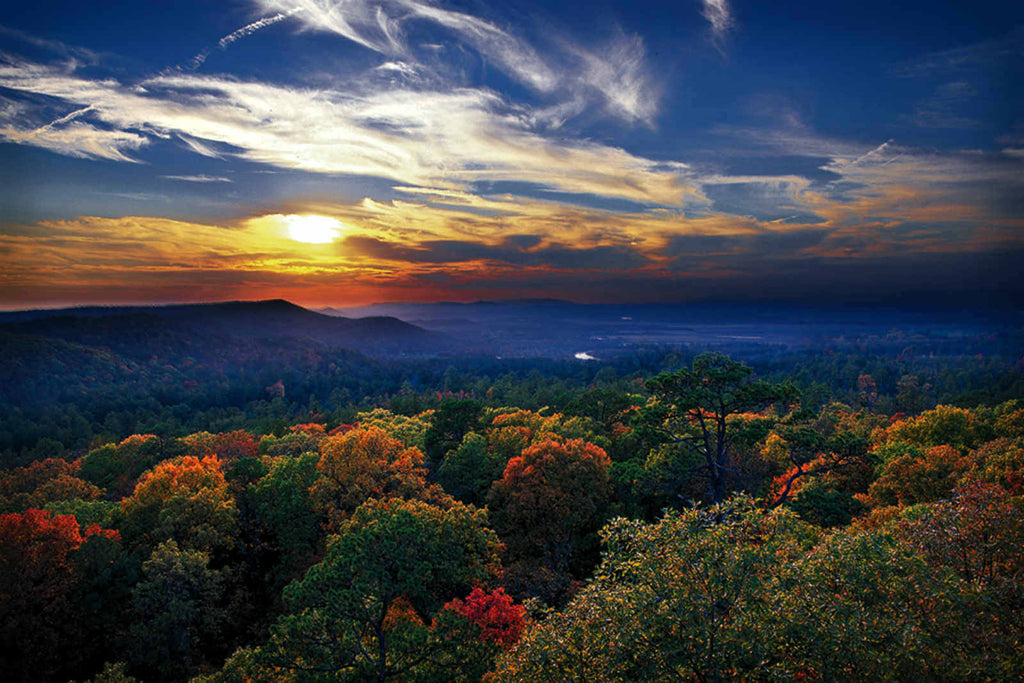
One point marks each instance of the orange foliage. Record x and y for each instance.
(919, 477)
(180, 476)
(366, 463)
(549, 494)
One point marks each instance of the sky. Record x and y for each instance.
(346, 152)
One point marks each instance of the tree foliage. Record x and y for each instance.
(693, 406)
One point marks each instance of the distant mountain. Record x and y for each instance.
(153, 330)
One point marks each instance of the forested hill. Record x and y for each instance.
(195, 330)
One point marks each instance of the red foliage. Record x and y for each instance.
(500, 620)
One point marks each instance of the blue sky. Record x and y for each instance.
(345, 152)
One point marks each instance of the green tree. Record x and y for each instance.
(448, 426)
(360, 613)
(282, 505)
(177, 611)
(693, 406)
(689, 598)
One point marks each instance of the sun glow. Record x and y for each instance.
(312, 229)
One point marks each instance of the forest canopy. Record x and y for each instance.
(697, 523)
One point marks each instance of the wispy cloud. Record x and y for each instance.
(616, 77)
(198, 178)
(453, 139)
(719, 15)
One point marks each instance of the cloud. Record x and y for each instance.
(77, 139)
(445, 139)
(719, 15)
(198, 178)
(615, 76)
(509, 252)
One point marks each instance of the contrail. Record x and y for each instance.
(251, 28)
(64, 119)
(246, 30)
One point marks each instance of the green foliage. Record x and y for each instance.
(282, 505)
(356, 615)
(959, 428)
(826, 507)
(410, 431)
(693, 406)
(177, 612)
(687, 598)
(114, 673)
(449, 424)
(468, 471)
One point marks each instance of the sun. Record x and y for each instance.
(312, 229)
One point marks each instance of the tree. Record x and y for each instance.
(226, 446)
(468, 471)
(362, 464)
(360, 614)
(186, 500)
(549, 497)
(178, 612)
(693, 406)
(448, 425)
(688, 598)
(42, 482)
(917, 475)
(812, 455)
(38, 574)
(282, 505)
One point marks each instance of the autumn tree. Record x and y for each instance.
(362, 464)
(692, 407)
(42, 482)
(38, 573)
(186, 500)
(226, 446)
(549, 498)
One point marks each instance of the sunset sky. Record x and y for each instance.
(341, 152)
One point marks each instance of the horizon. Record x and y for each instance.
(909, 308)
(385, 152)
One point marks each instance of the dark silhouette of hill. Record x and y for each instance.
(197, 329)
